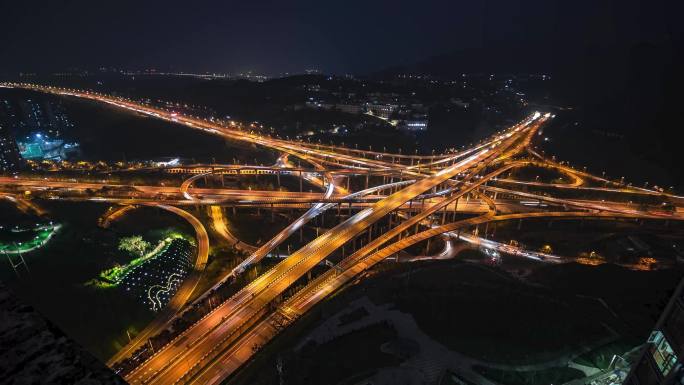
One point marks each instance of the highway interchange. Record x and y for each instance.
(423, 194)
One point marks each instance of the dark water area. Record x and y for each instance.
(54, 284)
(111, 134)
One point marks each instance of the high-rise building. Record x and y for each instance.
(38, 124)
(9, 153)
(42, 116)
(26, 116)
(660, 361)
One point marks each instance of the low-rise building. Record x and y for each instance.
(383, 111)
(413, 124)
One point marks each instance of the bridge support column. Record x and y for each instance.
(519, 223)
(367, 177)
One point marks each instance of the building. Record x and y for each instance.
(383, 111)
(349, 108)
(9, 153)
(26, 116)
(413, 125)
(660, 361)
(39, 147)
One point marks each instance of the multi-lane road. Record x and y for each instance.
(225, 322)
(426, 188)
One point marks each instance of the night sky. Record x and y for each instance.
(274, 37)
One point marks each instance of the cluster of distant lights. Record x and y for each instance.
(156, 281)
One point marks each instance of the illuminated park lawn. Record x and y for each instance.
(43, 234)
(112, 277)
